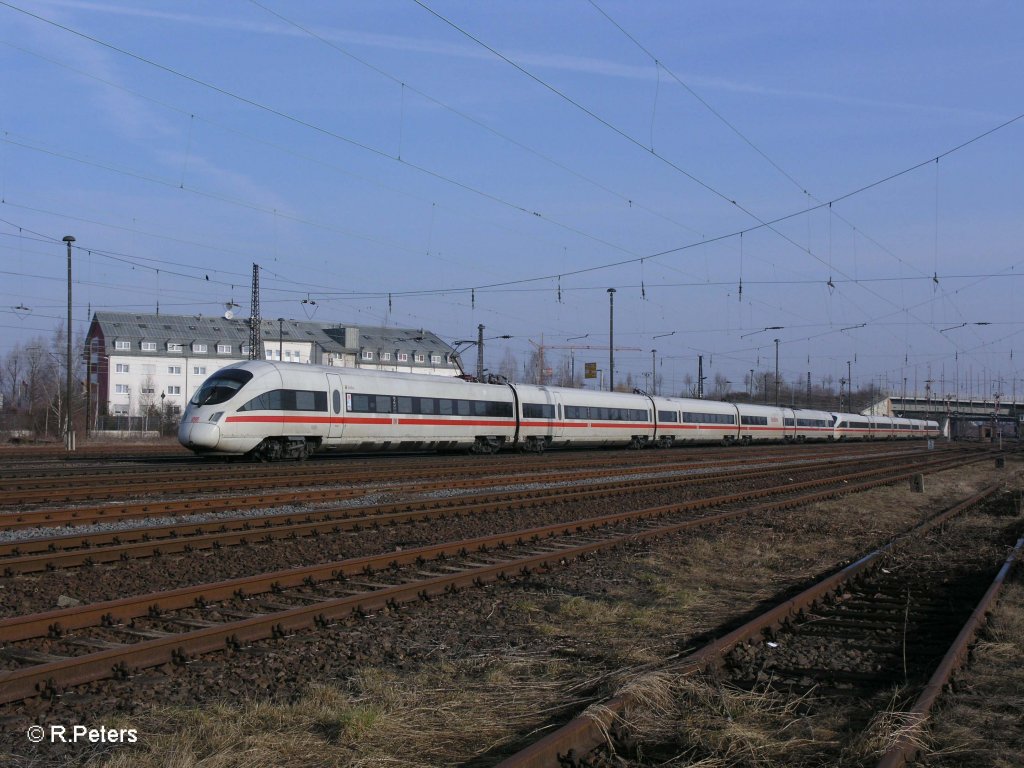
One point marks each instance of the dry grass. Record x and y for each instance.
(698, 721)
(982, 721)
(456, 709)
(441, 715)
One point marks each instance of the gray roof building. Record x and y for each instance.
(136, 361)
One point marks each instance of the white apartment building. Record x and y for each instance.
(138, 362)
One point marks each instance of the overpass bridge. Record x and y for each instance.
(958, 417)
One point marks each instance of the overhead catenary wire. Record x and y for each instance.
(761, 224)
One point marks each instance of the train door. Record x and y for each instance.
(335, 405)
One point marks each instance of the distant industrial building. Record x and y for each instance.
(137, 362)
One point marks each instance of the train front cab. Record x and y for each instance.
(851, 426)
(207, 424)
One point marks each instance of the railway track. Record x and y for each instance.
(44, 656)
(52, 552)
(355, 486)
(68, 485)
(899, 619)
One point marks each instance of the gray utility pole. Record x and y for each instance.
(700, 377)
(480, 352)
(611, 339)
(776, 373)
(255, 321)
(69, 430)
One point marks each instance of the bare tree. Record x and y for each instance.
(509, 366)
(720, 387)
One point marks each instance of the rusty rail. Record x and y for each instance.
(588, 731)
(905, 749)
(178, 647)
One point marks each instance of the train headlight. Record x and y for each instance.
(215, 417)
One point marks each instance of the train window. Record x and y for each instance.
(788, 422)
(811, 423)
(463, 407)
(754, 420)
(538, 411)
(668, 416)
(221, 387)
(337, 401)
(446, 407)
(288, 400)
(479, 408)
(305, 401)
(404, 405)
(426, 405)
(576, 412)
(370, 404)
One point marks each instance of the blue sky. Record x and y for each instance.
(485, 162)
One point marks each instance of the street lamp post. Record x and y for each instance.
(69, 435)
(611, 339)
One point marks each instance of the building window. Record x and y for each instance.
(122, 345)
(122, 368)
(148, 390)
(199, 370)
(122, 389)
(120, 410)
(245, 350)
(202, 348)
(403, 357)
(367, 354)
(385, 355)
(172, 347)
(435, 359)
(174, 390)
(174, 370)
(149, 346)
(223, 349)
(419, 358)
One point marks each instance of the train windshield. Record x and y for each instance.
(221, 387)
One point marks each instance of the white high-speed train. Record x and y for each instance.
(273, 410)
